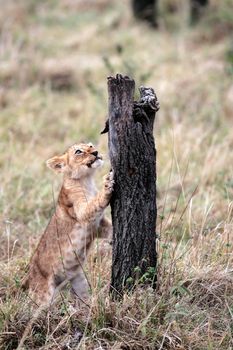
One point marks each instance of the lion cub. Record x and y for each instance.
(78, 219)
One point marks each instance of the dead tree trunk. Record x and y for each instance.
(133, 159)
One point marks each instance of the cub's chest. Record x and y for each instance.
(83, 235)
(79, 198)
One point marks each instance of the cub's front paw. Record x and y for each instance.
(108, 183)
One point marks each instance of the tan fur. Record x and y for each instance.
(78, 219)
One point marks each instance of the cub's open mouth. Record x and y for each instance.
(93, 161)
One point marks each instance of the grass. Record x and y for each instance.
(54, 59)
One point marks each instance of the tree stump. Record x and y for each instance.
(133, 204)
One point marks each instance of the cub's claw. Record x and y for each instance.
(109, 182)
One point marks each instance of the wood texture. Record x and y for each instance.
(133, 205)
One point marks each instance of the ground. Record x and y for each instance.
(54, 60)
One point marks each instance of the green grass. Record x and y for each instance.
(190, 69)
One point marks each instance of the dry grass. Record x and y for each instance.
(54, 59)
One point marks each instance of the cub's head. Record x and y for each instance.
(80, 160)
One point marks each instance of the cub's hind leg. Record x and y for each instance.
(42, 290)
(80, 287)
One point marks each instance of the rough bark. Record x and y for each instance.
(133, 205)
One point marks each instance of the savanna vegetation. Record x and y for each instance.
(54, 60)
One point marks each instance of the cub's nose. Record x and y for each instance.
(94, 153)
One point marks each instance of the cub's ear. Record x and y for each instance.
(57, 163)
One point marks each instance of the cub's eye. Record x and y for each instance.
(78, 151)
